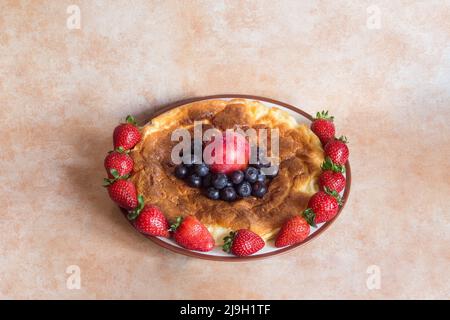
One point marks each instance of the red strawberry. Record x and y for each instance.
(243, 243)
(323, 127)
(149, 220)
(332, 180)
(119, 161)
(126, 135)
(332, 177)
(122, 191)
(295, 230)
(322, 206)
(337, 150)
(191, 234)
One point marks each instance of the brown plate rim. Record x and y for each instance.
(206, 256)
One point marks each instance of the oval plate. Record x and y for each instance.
(269, 250)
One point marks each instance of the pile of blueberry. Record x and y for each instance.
(236, 185)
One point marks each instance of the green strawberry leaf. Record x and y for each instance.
(174, 226)
(228, 242)
(136, 212)
(335, 195)
(132, 215)
(343, 139)
(106, 182)
(310, 217)
(120, 149)
(324, 115)
(114, 173)
(131, 120)
(328, 164)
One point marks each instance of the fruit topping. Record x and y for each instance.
(194, 180)
(126, 135)
(293, 231)
(323, 127)
(259, 189)
(191, 234)
(243, 243)
(337, 150)
(118, 161)
(213, 193)
(244, 189)
(181, 171)
(228, 194)
(219, 180)
(251, 174)
(235, 154)
(149, 220)
(237, 176)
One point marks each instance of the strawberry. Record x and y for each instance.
(119, 161)
(191, 234)
(243, 243)
(332, 180)
(149, 220)
(293, 231)
(126, 135)
(332, 177)
(337, 150)
(322, 207)
(121, 191)
(323, 127)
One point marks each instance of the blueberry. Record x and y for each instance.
(228, 194)
(261, 177)
(201, 169)
(206, 181)
(219, 181)
(251, 174)
(244, 189)
(181, 171)
(229, 184)
(194, 181)
(237, 177)
(213, 193)
(259, 189)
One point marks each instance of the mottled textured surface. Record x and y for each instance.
(62, 92)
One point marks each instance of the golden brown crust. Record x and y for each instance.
(300, 158)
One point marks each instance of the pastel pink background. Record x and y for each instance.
(63, 91)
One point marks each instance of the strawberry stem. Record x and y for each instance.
(131, 120)
(120, 149)
(335, 195)
(107, 182)
(343, 139)
(324, 115)
(114, 173)
(136, 212)
(176, 224)
(310, 217)
(228, 242)
(328, 164)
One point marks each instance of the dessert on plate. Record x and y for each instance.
(238, 206)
